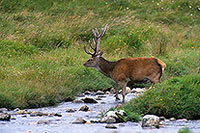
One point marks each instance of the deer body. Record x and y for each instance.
(136, 70)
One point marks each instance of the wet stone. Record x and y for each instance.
(162, 118)
(79, 120)
(68, 99)
(89, 100)
(88, 93)
(99, 93)
(182, 120)
(36, 113)
(43, 122)
(17, 109)
(122, 125)
(5, 117)
(3, 110)
(56, 114)
(95, 121)
(111, 126)
(78, 101)
(101, 96)
(172, 119)
(71, 110)
(13, 118)
(98, 98)
(151, 121)
(107, 92)
(84, 108)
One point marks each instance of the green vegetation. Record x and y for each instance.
(185, 130)
(41, 44)
(177, 97)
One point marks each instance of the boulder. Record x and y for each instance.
(110, 126)
(79, 120)
(5, 117)
(71, 110)
(113, 116)
(151, 121)
(84, 108)
(89, 100)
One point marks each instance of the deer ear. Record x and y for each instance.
(100, 54)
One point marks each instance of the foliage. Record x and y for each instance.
(178, 97)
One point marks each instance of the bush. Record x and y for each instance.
(178, 97)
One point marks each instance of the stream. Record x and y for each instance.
(29, 124)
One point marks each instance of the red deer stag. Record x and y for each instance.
(124, 70)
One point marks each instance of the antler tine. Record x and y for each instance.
(100, 36)
(88, 52)
(104, 31)
(94, 48)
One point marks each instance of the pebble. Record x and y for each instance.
(111, 126)
(182, 120)
(43, 122)
(78, 101)
(89, 100)
(79, 120)
(99, 93)
(71, 110)
(172, 119)
(84, 108)
(5, 117)
(122, 125)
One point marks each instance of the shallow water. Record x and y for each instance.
(64, 124)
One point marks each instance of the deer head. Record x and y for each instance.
(93, 62)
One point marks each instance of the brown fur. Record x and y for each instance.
(128, 69)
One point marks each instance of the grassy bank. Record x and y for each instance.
(41, 44)
(177, 97)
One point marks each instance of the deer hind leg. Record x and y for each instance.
(116, 91)
(123, 86)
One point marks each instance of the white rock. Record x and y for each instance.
(150, 121)
(172, 119)
(128, 90)
(182, 120)
(111, 114)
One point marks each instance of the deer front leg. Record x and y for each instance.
(116, 91)
(123, 86)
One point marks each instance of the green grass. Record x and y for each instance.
(177, 97)
(41, 44)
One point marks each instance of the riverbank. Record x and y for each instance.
(63, 123)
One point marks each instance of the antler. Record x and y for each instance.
(96, 41)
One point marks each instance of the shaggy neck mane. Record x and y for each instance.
(105, 66)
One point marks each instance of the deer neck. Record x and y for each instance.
(105, 67)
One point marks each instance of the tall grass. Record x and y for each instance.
(41, 44)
